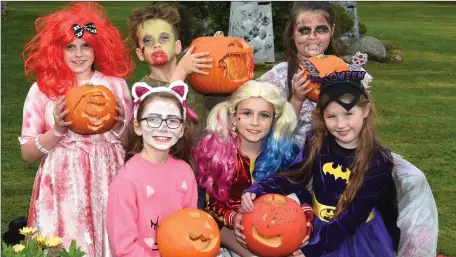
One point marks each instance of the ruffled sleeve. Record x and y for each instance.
(33, 118)
(277, 76)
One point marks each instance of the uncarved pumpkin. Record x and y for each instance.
(324, 65)
(92, 109)
(233, 64)
(275, 227)
(189, 232)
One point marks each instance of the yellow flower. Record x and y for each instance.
(40, 240)
(18, 248)
(28, 232)
(53, 241)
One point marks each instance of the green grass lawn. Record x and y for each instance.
(414, 98)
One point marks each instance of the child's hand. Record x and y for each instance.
(247, 202)
(120, 119)
(300, 86)
(297, 253)
(238, 230)
(305, 240)
(194, 62)
(60, 125)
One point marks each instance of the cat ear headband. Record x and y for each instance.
(178, 88)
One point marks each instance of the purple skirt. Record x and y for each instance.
(370, 240)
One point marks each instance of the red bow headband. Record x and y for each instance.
(178, 88)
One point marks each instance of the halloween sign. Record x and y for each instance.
(320, 66)
(232, 64)
(92, 109)
(275, 227)
(189, 232)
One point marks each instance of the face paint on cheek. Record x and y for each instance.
(161, 138)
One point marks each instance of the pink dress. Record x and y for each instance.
(71, 185)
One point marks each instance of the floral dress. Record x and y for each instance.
(71, 185)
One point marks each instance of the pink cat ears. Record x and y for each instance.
(178, 88)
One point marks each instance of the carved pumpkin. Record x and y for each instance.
(92, 109)
(275, 227)
(232, 64)
(189, 232)
(322, 65)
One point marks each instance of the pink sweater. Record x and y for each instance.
(140, 197)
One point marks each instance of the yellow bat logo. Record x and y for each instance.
(327, 214)
(337, 172)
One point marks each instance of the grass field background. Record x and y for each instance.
(415, 99)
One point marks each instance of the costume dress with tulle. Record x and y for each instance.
(71, 185)
(359, 231)
(418, 217)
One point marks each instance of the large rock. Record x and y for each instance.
(371, 46)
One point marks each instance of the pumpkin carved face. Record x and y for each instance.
(321, 66)
(275, 227)
(232, 64)
(92, 109)
(188, 232)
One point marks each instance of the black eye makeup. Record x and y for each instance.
(321, 29)
(304, 30)
(164, 37)
(147, 40)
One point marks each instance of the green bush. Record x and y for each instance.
(343, 20)
(362, 29)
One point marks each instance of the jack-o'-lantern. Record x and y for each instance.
(189, 232)
(233, 64)
(92, 109)
(275, 227)
(321, 66)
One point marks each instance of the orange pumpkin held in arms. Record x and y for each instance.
(189, 232)
(275, 227)
(92, 109)
(325, 65)
(233, 64)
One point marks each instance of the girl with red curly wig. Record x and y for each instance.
(74, 46)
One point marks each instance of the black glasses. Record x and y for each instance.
(156, 122)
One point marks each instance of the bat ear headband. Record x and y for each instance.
(178, 88)
(337, 84)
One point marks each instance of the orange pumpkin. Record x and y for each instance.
(275, 227)
(92, 109)
(189, 232)
(232, 64)
(325, 65)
